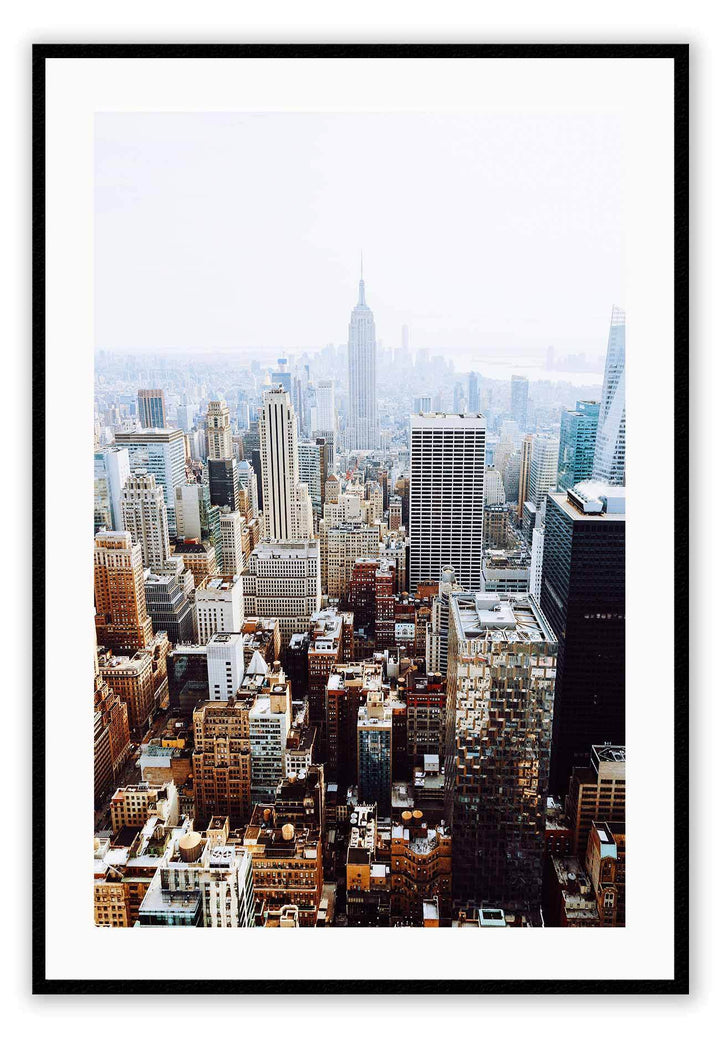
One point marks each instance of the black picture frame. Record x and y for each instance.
(679, 54)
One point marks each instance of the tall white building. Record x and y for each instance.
(609, 464)
(219, 607)
(323, 412)
(282, 580)
(536, 561)
(112, 467)
(160, 451)
(447, 488)
(270, 718)
(543, 468)
(225, 665)
(309, 470)
(494, 488)
(192, 500)
(362, 354)
(248, 480)
(219, 432)
(145, 518)
(436, 640)
(231, 532)
(287, 512)
(186, 414)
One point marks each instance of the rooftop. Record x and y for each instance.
(592, 499)
(501, 616)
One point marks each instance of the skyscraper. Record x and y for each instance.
(524, 481)
(578, 433)
(501, 685)
(282, 580)
(374, 753)
(447, 483)
(112, 467)
(309, 470)
(543, 467)
(324, 411)
(437, 635)
(219, 432)
(583, 598)
(145, 517)
(161, 452)
(609, 462)
(225, 665)
(519, 400)
(151, 408)
(287, 512)
(473, 393)
(362, 405)
(121, 619)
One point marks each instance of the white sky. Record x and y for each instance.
(245, 230)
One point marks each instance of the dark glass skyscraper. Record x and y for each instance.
(583, 598)
(578, 430)
(224, 483)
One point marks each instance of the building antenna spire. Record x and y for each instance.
(361, 298)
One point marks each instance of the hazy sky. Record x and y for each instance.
(245, 230)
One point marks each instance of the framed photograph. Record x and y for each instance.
(375, 634)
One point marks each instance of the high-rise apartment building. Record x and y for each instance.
(145, 518)
(282, 580)
(219, 607)
(167, 596)
(111, 736)
(494, 488)
(596, 794)
(341, 546)
(609, 463)
(196, 517)
(232, 544)
(287, 511)
(225, 665)
(578, 433)
(447, 474)
(362, 395)
(437, 634)
(605, 867)
(112, 467)
(583, 598)
(309, 472)
(151, 408)
(140, 679)
(221, 761)
(161, 453)
(121, 618)
(519, 400)
(543, 468)
(374, 753)
(323, 413)
(501, 686)
(248, 480)
(287, 863)
(425, 696)
(219, 432)
(524, 479)
(270, 720)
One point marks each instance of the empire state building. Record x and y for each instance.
(362, 409)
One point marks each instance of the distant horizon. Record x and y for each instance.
(244, 230)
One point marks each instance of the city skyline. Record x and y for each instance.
(525, 203)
